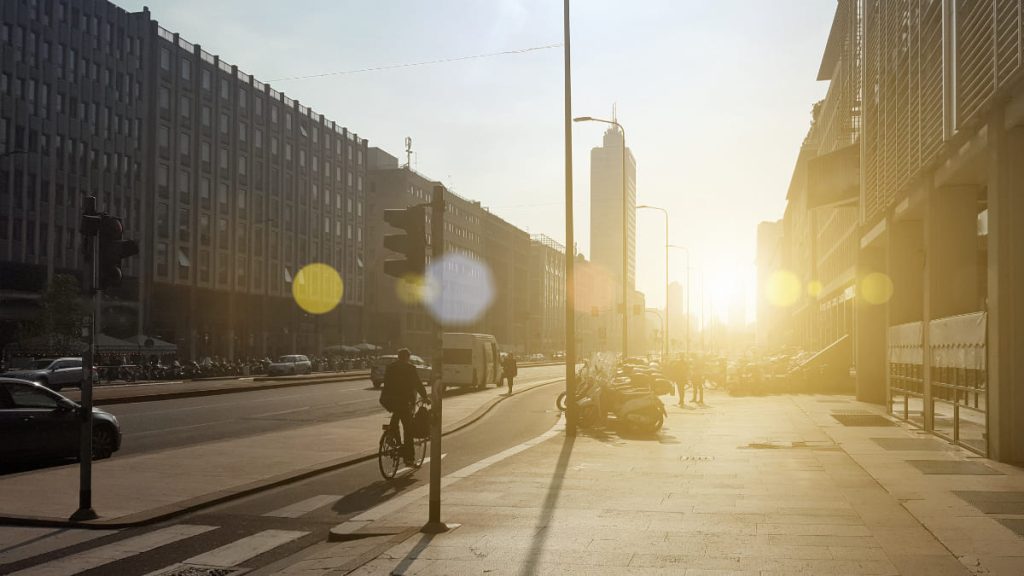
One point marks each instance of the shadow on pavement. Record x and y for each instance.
(413, 554)
(548, 507)
(372, 494)
(33, 465)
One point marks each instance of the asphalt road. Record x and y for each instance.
(340, 495)
(149, 426)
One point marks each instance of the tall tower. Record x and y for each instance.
(606, 208)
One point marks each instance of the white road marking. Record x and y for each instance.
(120, 550)
(304, 507)
(22, 543)
(239, 551)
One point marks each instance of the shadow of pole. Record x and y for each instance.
(548, 507)
(413, 554)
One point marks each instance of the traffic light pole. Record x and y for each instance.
(434, 524)
(85, 510)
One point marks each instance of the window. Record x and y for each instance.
(204, 154)
(184, 147)
(183, 225)
(204, 193)
(224, 128)
(258, 105)
(163, 140)
(222, 233)
(161, 259)
(164, 98)
(242, 132)
(257, 137)
(184, 187)
(222, 160)
(204, 232)
(242, 168)
(186, 69)
(185, 108)
(161, 180)
(29, 397)
(225, 89)
(162, 216)
(204, 79)
(165, 59)
(242, 98)
(222, 197)
(204, 116)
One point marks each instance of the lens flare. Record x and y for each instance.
(458, 290)
(876, 288)
(783, 289)
(317, 288)
(814, 288)
(411, 288)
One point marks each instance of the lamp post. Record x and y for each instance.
(664, 351)
(570, 241)
(625, 229)
(687, 251)
(688, 320)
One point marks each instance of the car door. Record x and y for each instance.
(12, 428)
(68, 373)
(49, 428)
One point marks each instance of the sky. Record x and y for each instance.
(715, 96)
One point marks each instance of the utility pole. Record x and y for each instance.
(434, 524)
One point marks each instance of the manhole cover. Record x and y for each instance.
(958, 467)
(193, 570)
(862, 420)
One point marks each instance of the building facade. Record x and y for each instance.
(907, 214)
(230, 186)
(546, 296)
(606, 224)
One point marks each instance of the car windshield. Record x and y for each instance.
(286, 359)
(385, 360)
(40, 364)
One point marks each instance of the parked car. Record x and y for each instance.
(290, 364)
(54, 373)
(558, 356)
(37, 423)
(381, 364)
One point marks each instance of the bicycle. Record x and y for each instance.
(389, 451)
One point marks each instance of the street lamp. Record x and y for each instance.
(625, 228)
(687, 251)
(700, 272)
(664, 213)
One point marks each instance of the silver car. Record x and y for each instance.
(52, 373)
(290, 364)
(381, 364)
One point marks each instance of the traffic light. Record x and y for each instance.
(412, 244)
(112, 250)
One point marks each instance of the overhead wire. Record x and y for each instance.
(423, 63)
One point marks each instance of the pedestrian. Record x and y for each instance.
(679, 372)
(697, 376)
(401, 385)
(509, 370)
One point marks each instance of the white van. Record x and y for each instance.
(470, 360)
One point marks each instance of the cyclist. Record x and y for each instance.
(398, 396)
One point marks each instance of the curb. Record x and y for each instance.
(221, 496)
(271, 385)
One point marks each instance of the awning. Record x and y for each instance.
(152, 344)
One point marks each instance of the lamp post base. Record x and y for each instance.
(83, 514)
(438, 527)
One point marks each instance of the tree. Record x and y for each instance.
(62, 313)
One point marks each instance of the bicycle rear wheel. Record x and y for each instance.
(389, 455)
(420, 451)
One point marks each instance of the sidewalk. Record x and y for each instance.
(743, 486)
(143, 488)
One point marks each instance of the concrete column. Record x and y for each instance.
(906, 270)
(951, 263)
(870, 353)
(1005, 287)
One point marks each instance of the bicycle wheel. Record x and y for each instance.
(389, 455)
(420, 451)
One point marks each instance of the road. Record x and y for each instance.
(293, 516)
(165, 424)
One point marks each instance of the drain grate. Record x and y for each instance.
(1015, 524)
(697, 458)
(994, 502)
(193, 570)
(862, 420)
(957, 467)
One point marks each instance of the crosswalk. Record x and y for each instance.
(19, 545)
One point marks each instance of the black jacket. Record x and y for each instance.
(401, 383)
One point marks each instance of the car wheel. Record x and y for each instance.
(102, 442)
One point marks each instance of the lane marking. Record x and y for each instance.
(239, 551)
(305, 506)
(120, 550)
(398, 502)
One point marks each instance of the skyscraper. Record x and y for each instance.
(606, 208)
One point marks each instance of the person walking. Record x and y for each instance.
(679, 372)
(401, 385)
(509, 370)
(697, 377)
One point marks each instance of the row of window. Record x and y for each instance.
(109, 37)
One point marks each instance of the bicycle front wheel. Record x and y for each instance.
(389, 455)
